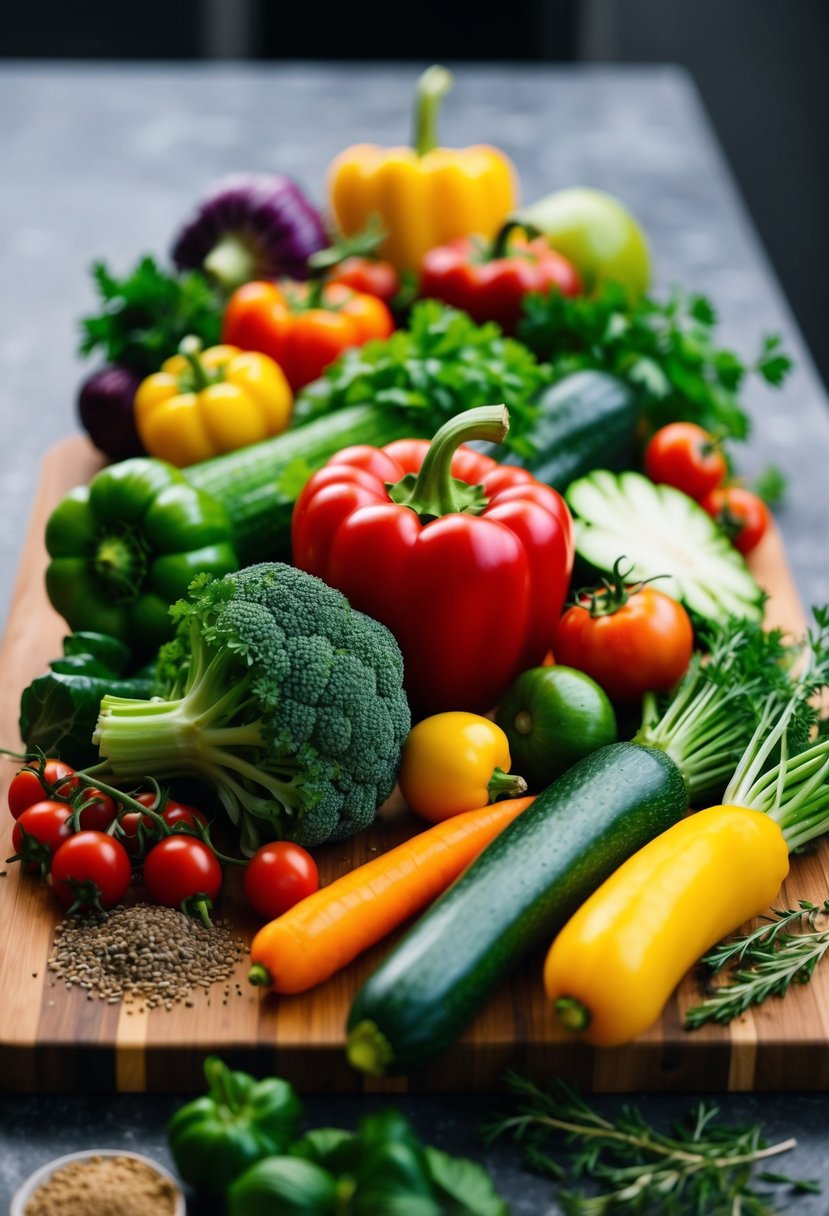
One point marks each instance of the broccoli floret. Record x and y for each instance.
(279, 694)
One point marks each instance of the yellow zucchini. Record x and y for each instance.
(613, 966)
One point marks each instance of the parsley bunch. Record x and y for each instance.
(666, 350)
(144, 315)
(443, 364)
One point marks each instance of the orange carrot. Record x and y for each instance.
(325, 931)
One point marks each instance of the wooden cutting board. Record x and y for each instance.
(53, 1039)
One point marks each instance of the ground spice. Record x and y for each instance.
(104, 1186)
(157, 954)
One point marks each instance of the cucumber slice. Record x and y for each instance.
(662, 531)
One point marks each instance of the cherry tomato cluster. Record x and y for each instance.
(87, 844)
(687, 457)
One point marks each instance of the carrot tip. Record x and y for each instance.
(260, 976)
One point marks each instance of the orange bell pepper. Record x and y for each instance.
(425, 195)
(303, 326)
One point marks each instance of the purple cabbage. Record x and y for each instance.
(253, 226)
(105, 408)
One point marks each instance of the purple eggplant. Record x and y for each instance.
(105, 408)
(257, 226)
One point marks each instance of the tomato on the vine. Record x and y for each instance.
(97, 811)
(741, 514)
(27, 787)
(174, 812)
(631, 640)
(278, 876)
(685, 456)
(179, 868)
(39, 832)
(91, 870)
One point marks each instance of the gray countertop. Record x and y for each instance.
(104, 161)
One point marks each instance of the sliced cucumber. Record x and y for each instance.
(662, 531)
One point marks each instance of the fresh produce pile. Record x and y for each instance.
(433, 496)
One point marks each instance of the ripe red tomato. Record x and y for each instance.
(128, 831)
(644, 645)
(278, 876)
(98, 811)
(174, 812)
(741, 514)
(91, 870)
(374, 278)
(685, 456)
(39, 832)
(180, 867)
(27, 788)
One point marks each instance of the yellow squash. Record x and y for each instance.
(205, 403)
(425, 195)
(613, 966)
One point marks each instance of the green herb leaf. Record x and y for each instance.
(144, 315)
(665, 349)
(770, 485)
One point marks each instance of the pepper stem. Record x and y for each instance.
(231, 262)
(432, 87)
(572, 1014)
(434, 492)
(191, 348)
(500, 245)
(505, 785)
(259, 976)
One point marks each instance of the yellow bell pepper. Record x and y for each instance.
(204, 403)
(425, 195)
(615, 963)
(454, 762)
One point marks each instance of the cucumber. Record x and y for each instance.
(586, 421)
(662, 533)
(516, 895)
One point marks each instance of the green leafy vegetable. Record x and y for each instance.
(665, 349)
(443, 364)
(144, 315)
(769, 960)
(701, 1167)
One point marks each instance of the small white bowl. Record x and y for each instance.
(42, 1176)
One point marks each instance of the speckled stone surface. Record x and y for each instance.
(105, 161)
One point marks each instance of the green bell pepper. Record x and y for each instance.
(237, 1123)
(128, 545)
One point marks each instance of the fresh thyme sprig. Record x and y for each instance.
(771, 958)
(701, 1168)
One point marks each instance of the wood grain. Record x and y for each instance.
(52, 1039)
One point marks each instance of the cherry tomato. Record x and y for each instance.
(278, 876)
(98, 811)
(741, 514)
(91, 869)
(644, 645)
(128, 831)
(180, 867)
(685, 456)
(39, 832)
(27, 788)
(374, 278)
(174, 812)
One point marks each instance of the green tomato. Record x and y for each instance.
(597, 233)
(552, 716)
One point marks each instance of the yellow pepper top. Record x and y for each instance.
(204, 403)
(424, 195)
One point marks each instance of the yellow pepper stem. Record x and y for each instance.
(572, 1014)
(191, 348)
(432, 87)
(505, 785)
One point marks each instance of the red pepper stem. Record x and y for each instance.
(435, 491)
(500, 245)
(432, 87)
(505, 785)
(191, 348)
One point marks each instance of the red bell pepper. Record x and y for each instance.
(489, 279)
(466, 561)
(303, 326)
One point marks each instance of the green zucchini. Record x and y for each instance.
(259, 485)
(514, 897)
(587, 421)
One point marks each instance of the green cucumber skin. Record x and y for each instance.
(246, 482)
(516, 895)
(586, 421)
